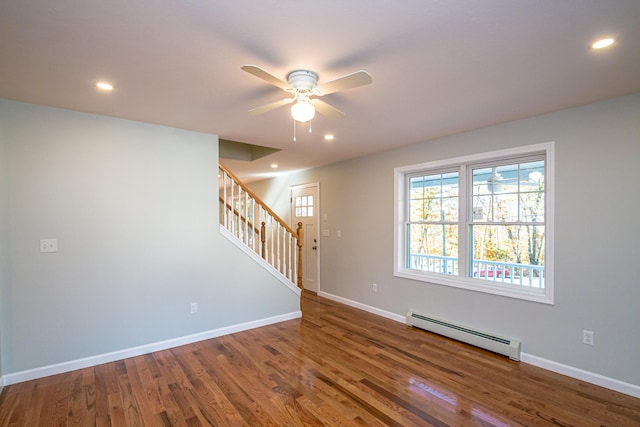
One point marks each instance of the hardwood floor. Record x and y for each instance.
(336, 366)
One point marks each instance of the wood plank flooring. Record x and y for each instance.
(338, 366)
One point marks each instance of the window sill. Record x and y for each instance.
(544, 296)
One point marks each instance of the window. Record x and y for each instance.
(304, 206)
(432, 228)
(481, 222)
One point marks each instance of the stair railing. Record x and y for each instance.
(241, 210)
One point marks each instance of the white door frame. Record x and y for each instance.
(294, 222)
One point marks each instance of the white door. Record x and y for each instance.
(305, 209)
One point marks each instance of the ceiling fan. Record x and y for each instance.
(303, 85)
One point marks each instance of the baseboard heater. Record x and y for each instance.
(507, 346)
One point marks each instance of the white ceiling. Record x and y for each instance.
(439, 66)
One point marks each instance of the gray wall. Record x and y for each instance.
(135, 210)
(4, 231)
(597, 284)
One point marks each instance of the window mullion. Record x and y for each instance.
(463, 222)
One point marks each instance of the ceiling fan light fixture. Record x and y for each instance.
(302, 111)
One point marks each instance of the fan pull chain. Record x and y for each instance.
(294, 130)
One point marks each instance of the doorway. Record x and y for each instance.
(305, 208)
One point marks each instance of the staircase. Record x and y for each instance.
(255, 228)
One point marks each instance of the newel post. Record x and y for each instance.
(263, 238)
(300, 243)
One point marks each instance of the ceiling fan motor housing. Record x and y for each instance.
(302, 80)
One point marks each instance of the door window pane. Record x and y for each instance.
(304, 206)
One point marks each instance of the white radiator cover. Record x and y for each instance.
(508, 346)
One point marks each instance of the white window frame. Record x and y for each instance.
(463, 281)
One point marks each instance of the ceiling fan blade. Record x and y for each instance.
(271, 106)
(359, 78)
(266, 76)
(326, 110)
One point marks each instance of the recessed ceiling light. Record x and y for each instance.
(328, 137)
(602, 43)
(104, 86)
(274, 166)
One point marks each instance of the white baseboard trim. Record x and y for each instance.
(580, 374)
(365, 307)
(86, 362)
(550, 365)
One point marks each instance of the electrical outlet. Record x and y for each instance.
(374, 287)
(587, 337)
(48, 245)
(194, 307)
